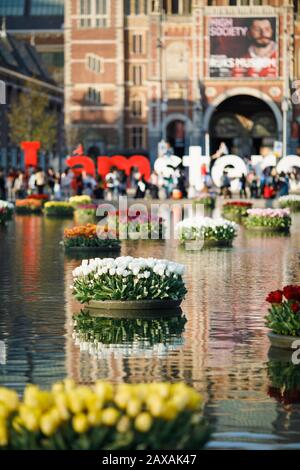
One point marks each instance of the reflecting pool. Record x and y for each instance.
(219, 345)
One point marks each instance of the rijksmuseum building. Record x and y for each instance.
(191, 72)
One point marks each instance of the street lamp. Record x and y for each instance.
(285, 105)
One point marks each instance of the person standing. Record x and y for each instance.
(40, 180)
(2, 185)
(243, 182)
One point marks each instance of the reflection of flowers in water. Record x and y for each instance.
(285, 382)
(102, 337)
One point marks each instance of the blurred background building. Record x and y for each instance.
(197, 72)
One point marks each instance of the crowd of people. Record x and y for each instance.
(18, 184)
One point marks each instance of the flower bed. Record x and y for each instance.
(85, 236)
(77, 201)
(208, 201)
(283, 317)
(99, 336)
(39, 197)
(215, 232)
(278, 220)
(285, 380)
(6, 211)
(236, 209)
(58, 209)
(138, 226)
(144, 416)
(85, 214)
(291, 202)
(29, 206)
(128, 279)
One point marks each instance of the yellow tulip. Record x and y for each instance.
(143, 422)
(61, 403)
(95, 417)
(4, 412)
(104, 390)
(123, 425)
(76, 403)
(48, 425)
(3, 434)
(122, 398)
(110, 416)
(169, 411)
(57, 387)
(31, 396)
(94, 403)
(80, 423)
(9, 398)
(155, 406)
(17, 424)
(69, 384)
(134, 407)
(195, 400)
(31, 420)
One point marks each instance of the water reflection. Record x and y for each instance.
(222, 350)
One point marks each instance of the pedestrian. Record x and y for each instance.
(225, 185)
(40, 180)
(243, 182)
(2, 185)
(284, 184)
(51, 180)
(99, 189)
(141, 188)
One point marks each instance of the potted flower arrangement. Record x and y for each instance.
(6, 211)
(77, 201)
(103, 416)
(85, 237)
(58, 209)
(236, 210)
(128, 284)
(207, 200)
(208, 231)
(283, 317)
(285, 382)
(29, 206)
(291, 202)
(138, 226)
(97, 335)
(85, 214)
(269, 220)
(39, 197)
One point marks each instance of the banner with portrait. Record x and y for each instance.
(243, 47)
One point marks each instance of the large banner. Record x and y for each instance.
(243, 47)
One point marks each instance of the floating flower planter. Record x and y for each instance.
(144, 416)
(6, 211)
(85, 214)
(137, 226)
(208, 201)
(85, 238)
(268, 220)
(236, 210)
(291, 202)
(77, 201)
(206, 232)
(127, 285)
(29, 206)
(283, 318)
(101, 336)
(58, 209)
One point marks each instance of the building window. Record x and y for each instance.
(177, 7)
(12, 7)
(94, 63)
(137, 74)
(137, 43)
(137, 137)
(47, 7)
(136, 108)
(135, 7)
(93, 96)
(93, 14)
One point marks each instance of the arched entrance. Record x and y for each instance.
(245, 123)
(176, 136)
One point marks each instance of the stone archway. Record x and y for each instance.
(169, 126)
